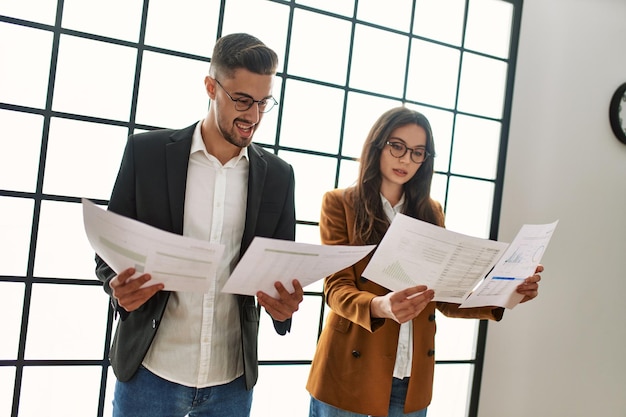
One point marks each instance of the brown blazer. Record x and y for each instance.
(353, 365)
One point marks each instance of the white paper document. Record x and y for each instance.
(180, 263)
(414, 252)
(269, 260)
(518, 263)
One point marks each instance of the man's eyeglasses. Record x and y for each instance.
(399, 149)
(244, 103)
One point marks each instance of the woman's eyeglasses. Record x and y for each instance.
(399, 149)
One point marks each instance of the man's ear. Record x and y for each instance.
(209, 85)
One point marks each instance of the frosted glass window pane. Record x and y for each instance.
(476, 147)
(72, 168)
(482, 86)
(50, 390)
(317, 286)
(440, 20)
(489, 27)
(469, 206)
(307, 233)
(361, 113)
(108, 396)
(310, 53)
(21, 145)
(55, 331)
(7, 382)
(379, 12)
(433, 73)
(310, 234)
(16, 226)
(300, 342)
(441, 126)
(94, 78)
(451, 390)
(314, 176)
(455, 338)
(184, 25)
(11, 304)
(118, 19)
(348, 173)
(438, 188)
(374, 48)
(342, 7)
(302, 100)
(42, 11)
(266, 129)
(171, 91)
(63, 250)
(24, 75)
(281, 392)
(243, 16)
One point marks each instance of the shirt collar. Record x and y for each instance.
(392, 211)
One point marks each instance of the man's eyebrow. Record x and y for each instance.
(241, 94)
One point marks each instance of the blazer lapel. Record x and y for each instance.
(256, 181)
(177, 161)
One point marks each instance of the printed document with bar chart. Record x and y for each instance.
(461, 269)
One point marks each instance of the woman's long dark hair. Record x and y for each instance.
(370, 220)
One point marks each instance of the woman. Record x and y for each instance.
(375, 355)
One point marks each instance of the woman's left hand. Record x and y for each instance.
(530, 287)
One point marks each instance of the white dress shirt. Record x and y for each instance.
(404, 354)
(199, 340)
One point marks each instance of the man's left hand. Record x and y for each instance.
(282, 308)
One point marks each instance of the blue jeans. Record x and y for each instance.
(396, 404)
(147, 395)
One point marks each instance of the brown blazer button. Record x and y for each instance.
(356, 354)
(431, 317)
(431, 352)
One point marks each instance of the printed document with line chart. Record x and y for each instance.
(461, 269)
(269, 260)
(179, 262)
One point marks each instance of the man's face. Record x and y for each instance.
(238, 126)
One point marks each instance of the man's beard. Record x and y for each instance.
(234, 139)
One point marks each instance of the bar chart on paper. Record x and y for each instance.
(397, 272)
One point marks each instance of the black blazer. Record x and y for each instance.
(150, 187)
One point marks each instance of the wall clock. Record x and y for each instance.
(617, 113)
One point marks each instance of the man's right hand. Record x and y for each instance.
(128, 292)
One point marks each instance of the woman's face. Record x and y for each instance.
(396, 171)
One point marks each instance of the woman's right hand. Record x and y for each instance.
(402, 306)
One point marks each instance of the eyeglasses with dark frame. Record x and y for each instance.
(399, 149)
(246, 102)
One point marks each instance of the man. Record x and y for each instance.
(182, 353)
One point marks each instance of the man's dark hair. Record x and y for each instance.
(240, 50)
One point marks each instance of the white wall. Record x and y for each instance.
(564, 354)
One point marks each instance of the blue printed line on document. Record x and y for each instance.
(508, 278)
